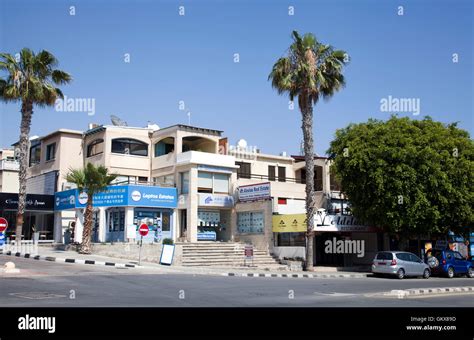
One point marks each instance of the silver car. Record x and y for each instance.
(400, 264)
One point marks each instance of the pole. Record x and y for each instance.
(140, 251)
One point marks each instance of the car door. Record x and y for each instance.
(418, 265)
(459, 263)
(405, 263)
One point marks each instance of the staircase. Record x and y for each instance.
(225, 254)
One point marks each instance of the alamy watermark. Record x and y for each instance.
(75, 105)
(400, 105)
(336, 246)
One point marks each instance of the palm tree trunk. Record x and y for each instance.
(26, 115)
(87, 230)
(307, 126)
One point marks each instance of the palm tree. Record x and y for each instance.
(91, 179)
(31, 80)
(311, 71)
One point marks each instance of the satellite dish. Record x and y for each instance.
(242, 144)
(116, 121)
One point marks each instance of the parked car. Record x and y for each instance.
(450, 263)
(400, 264)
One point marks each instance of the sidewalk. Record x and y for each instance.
(68, 256)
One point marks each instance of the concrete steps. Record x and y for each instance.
(206, 254)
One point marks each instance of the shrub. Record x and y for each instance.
(167, 241)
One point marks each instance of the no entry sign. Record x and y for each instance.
(3, 225)
(143, 230)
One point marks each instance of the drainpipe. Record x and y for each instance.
(150, 135)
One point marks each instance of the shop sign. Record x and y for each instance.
(339, 223)
(206, 236)
(119, 195)
(289, 223)
(212, 200)
(33, 201)
(254, 192)
(167, 254)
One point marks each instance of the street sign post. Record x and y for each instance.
(143, 230)
(3, 228)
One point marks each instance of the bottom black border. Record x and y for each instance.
(291, 323)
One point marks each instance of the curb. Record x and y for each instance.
(67, 260)
(431, 291)
(307, 276)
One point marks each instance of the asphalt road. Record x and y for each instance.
(44, 284)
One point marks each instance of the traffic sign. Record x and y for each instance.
(3, 224)
(143, 230)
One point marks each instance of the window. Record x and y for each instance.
(281, 200)
(252, 222)
(403, 256)
(129, 147)
(51, 152)
(414, 258)
(384, 256)
(244, 170)
(142, 179)
(167, 180)
(95, 147)
(164, 147)
(213, 183)
(35, 154)
(165, 221)
(281, 174)
(184, 182)
(458, 256)
(204, 182)
(291, 239)
(271, 172)
(221, 183)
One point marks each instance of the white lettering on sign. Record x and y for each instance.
(254, 192)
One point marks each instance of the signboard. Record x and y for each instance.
(213, 200)
(167, 254)
(248, 250)
(143, 230)
(119, 195)
(3, 228)
(33, 202)
(254, 192)
(289, 223)
(206, 236)
(441, 244)
(345, 223)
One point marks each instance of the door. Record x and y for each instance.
(459, 263)
(418, 265)
(403, 260)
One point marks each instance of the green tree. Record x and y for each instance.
(310, 71)
(408, 176)
(92, 179)
(31, 80)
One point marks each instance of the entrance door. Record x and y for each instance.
(322, 258)
(183, 225)
(115, 225)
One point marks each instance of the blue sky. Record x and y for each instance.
(191, 58)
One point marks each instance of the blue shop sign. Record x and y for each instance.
(119, 195)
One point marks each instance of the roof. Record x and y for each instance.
(301, 158)
(60, 131)
(193, 129)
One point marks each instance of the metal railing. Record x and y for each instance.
(146, 183)
(7, 164)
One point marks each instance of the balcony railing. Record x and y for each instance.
(6, 164)
(318, 184)
(146, 183)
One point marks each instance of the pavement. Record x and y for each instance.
(55, 284)
(72, 257)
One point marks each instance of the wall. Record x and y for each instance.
(289, 252)
(9, 181)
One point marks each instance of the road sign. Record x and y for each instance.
(3, 225)
(143, 230)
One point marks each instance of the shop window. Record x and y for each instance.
(281, 174)
(252, 222)
(51, 152)
(35, 154)
(165, 221)
(184, 182)
(95, 147)
(271, 172)
(291, 239)
(164, 147)
(244, 170)
(129, 147)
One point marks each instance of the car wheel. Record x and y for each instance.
(426, 274)
(470, 272)
(401, 274)
(450, 272)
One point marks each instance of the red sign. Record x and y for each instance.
(3, 225)
(248, 251)
(143, 230)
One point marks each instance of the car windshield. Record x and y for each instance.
(384, 256)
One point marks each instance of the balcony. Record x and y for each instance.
(206, 158)
(11, 165)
